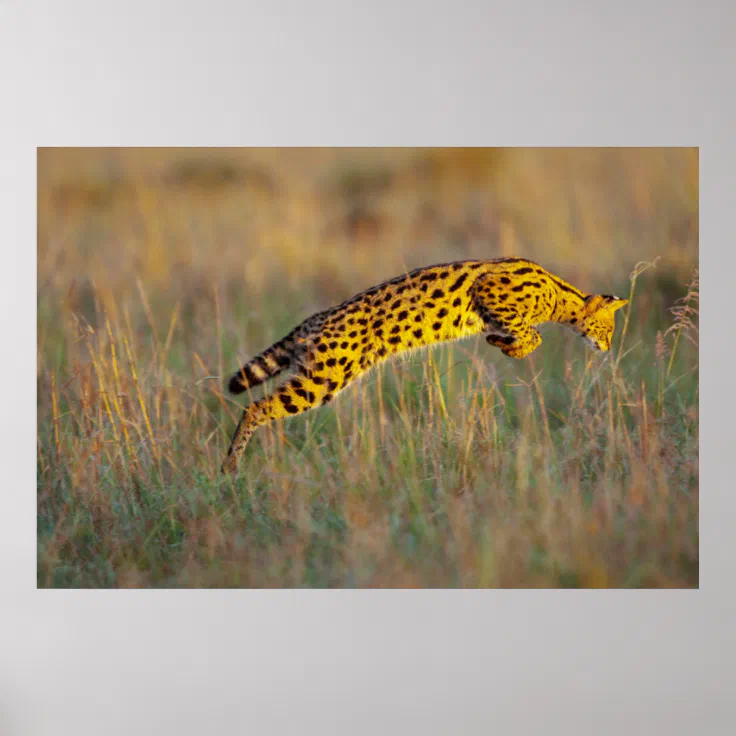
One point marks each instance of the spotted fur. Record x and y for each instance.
(505, 299)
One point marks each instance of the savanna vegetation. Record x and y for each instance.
(159, 270)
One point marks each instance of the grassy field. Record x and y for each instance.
(159, 270)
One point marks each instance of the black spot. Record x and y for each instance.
(364, 341)
(460, 281)
(291, 408)
(402, 315)
(564, 287)
(286, 399)
(353, 334)
(518, 288)
(394, 340)
(428, 277)
(381, 351)
(523, 270)
(437, 294)
(354, 346)
(377, 323)
(344, 345)
(573, 320)
(381, 312)
(327, 398)
(502, 297)
(396, 304)
(343, 360)
(423, 287)
(236, 385)
(332, 385)
(429, 305)
(402, 289)
(456, 321)
(319, 366)
(363, 321)
(301, 392)
(318, 380)
(333, 345)
(296, 383)
(418, 318)
(322, 347)
(417, 333)
(458, 301)
(442, 313)
(331, 362)
(505, 280)
(395, 329)
(436, 326)
(351, 321)
(378, 333)
(283, 360)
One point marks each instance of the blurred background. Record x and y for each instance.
(311, 226)
(160, 269)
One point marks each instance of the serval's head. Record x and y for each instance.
(598, 320)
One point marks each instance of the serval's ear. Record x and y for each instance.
(607, 302)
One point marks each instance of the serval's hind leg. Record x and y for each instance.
(243, 432)
(299, 394)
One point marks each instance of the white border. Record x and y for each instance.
(330, 73)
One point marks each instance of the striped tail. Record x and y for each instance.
(266, 365)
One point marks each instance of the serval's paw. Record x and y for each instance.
(230, 464)
(499, 341)
(520, 349)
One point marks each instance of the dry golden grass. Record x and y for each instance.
(159, 269)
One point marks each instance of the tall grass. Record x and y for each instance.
(160, 270)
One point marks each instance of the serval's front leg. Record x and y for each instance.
(516, 343)
(505, 321)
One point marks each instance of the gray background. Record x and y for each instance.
(398, 73)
